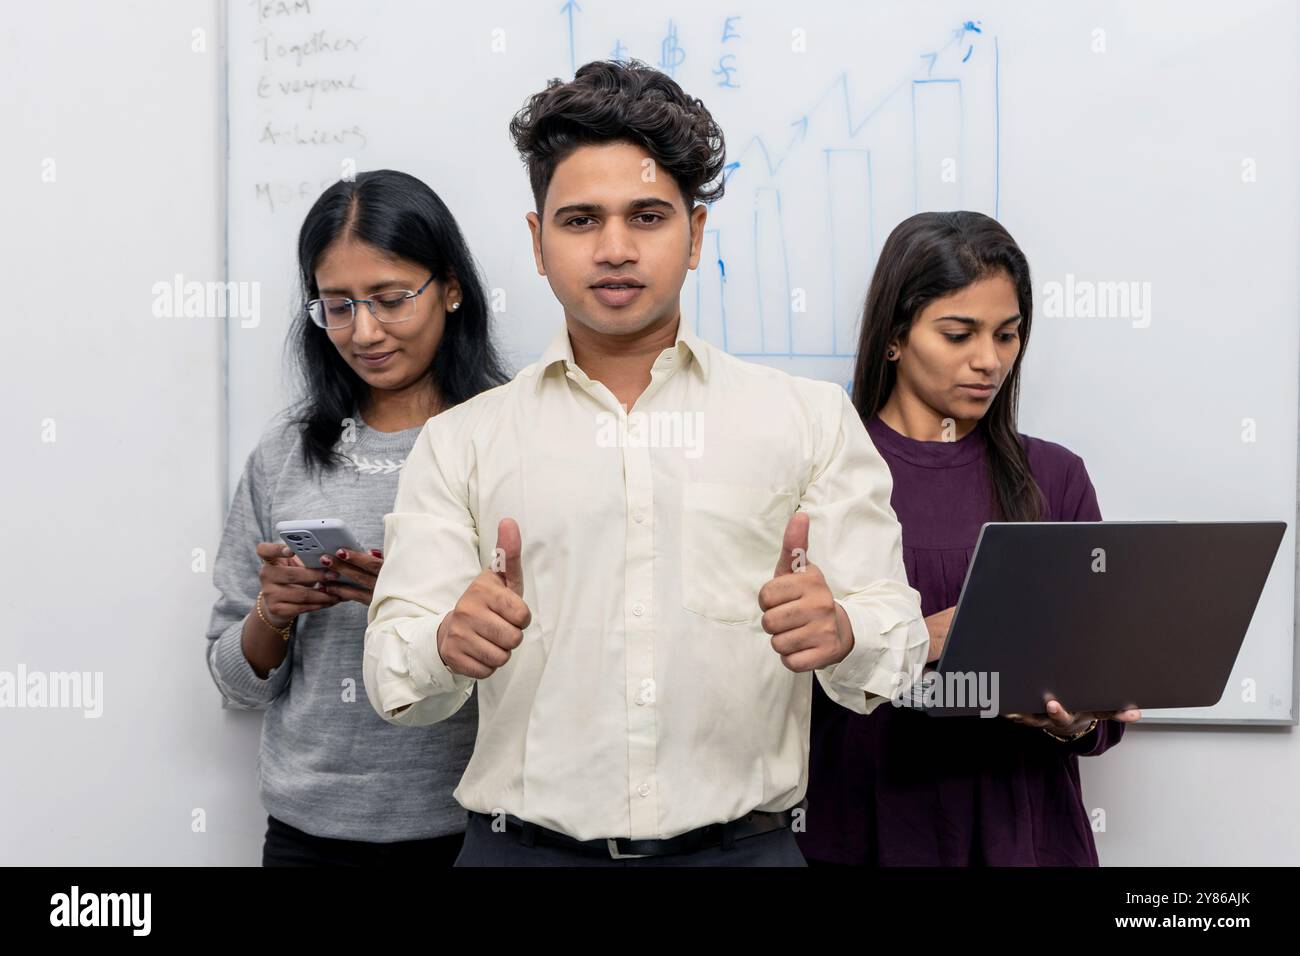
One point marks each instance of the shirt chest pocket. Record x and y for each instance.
(731, 539)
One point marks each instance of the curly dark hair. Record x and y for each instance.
(609, 100)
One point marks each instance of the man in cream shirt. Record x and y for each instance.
(640, 551)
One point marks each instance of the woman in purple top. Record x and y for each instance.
(945, 327)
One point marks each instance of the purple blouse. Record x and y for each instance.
(899, 788)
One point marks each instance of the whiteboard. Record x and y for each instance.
(1142, 155)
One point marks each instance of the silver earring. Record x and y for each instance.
(455, 306)
(892, 354)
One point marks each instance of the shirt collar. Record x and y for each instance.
(560, 350)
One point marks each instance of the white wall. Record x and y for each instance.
(100, 524)
(1210, 796)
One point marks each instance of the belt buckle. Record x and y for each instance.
(612, 845)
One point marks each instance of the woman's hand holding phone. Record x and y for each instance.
(356, 566)
(289, 587)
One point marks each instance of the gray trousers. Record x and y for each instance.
(485, 847)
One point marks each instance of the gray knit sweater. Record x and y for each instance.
(328, 763)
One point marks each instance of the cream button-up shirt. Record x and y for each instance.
(646, 699)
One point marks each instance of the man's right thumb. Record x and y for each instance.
(505, 560)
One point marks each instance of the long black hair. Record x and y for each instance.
(401, 215)
(926, 257)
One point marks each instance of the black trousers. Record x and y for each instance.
(288, 846)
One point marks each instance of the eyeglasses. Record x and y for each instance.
(387, 307)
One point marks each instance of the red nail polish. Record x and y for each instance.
(377, 554)
(326, 560)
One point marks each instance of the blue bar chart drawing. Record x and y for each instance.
(849, 170)
(788, 252)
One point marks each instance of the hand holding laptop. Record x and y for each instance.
(1056, 718)
(1065, 724)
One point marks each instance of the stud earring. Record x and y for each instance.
(892, 354)
(455, 306)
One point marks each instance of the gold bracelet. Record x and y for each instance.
(1065, 740)
(282, 631)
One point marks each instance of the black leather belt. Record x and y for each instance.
(754, 823)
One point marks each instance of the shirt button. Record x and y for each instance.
(644, 789)
(638, 516)
(638, 609)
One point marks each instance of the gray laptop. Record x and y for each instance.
(1101, 615)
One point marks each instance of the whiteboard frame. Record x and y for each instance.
(224, 22)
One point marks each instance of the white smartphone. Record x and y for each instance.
(310, 538)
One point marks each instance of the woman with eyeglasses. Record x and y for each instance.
(394, 330)
(936, 384)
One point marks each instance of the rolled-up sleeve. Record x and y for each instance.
(430, 557)
(855, 539)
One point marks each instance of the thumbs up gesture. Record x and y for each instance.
(809, 630)
(488, 621)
